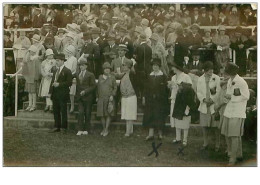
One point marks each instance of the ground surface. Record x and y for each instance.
(37, 147)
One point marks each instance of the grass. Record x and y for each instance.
(37, 147)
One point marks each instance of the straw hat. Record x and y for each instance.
(36, 38)
(49, 52)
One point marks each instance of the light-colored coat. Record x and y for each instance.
(236, 107)
(201, 92)
(116, 66)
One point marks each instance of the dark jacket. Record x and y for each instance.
(143, 58)
(65, 80)
(88, 85)
(38, 21)
(185, 97)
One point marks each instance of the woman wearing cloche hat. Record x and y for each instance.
(106, 91)
(46, 71)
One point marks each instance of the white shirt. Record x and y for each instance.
(195, 63)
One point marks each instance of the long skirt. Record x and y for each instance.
(129, 108)
(44, 87)
(232, 127)
(208, 120)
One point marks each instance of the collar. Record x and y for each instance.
(142, 43)
(160, 73)
(236, 78)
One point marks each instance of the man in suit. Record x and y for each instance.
(112, 46)
(196, 67)
(90, 51)
(38, 19)
(117, 63)
(85, 95)
(143, 56)
(59, 90)
(123, 32)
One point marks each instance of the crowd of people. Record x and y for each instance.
(157, 52)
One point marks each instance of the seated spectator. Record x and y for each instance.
(195, 39)
(204, 19)
(7, 40)
(233, 18)
(246, 17)
(222, 19)
(212, 19)
(186, 19)
(195, 18)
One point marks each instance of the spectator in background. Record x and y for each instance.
(38, 19)
(222, 43)
(7, 40)
(204, 19)
(186, 19)
(247, 18)
(124, 39)
(58, 39)
(195, 17)
(222, 19)
(211, 18)
(239, 43)
(195, 39)
(147, 30)
(233, 18)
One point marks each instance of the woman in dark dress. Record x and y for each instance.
(156, 105)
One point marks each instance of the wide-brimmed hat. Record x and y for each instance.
(143, 37)
(195, 26)
(145, 22)
(231, 69)
(156, 61)
(49, 52)
(61, 31)
(36, 38)
(106, 65)
(122, 47)
(82, 61)
(33, 48)
(60, 56)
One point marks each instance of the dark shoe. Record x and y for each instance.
(239, 159)
(176, 141)
(205, 147)
(46, 108)
(149, 138)
(54, 130)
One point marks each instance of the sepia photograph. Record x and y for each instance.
(129, 84)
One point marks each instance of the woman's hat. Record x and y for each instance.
(82, 61)
(156, 61)
(106, 65)
(33, 48)
(145, 22)
(49, 52)
(154, 37)
(60, 56)
(122, 47)
(231, 69)
(36, 38)
(70, 49)
(208, 65)
(143, 37)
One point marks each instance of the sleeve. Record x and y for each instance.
(74, 66)
(244, 91)
(218, 88)
(92, 85)
(114, 86)
(43, 72)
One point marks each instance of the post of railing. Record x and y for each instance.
(16, 94)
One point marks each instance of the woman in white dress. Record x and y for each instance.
(235, 113)
(46, 71)
(208, 88)
(184, 124)
(71, 64)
